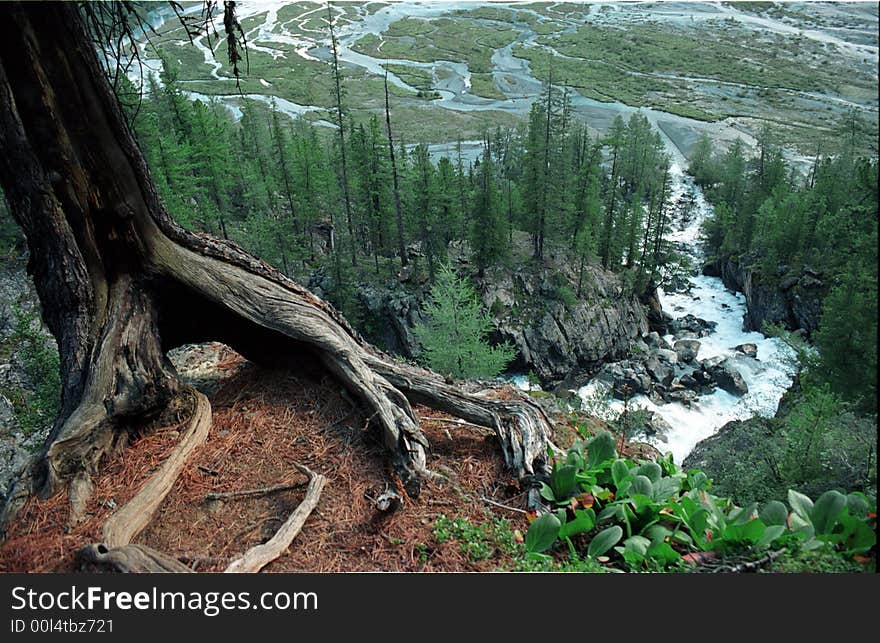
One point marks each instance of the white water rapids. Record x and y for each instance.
(767, 377)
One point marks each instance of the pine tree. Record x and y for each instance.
(454, 339)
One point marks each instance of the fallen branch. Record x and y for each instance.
(498, 504)
(121, 528)
(250, 493)
(258, 557)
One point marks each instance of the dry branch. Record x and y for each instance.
(258, 557)
(250, 493)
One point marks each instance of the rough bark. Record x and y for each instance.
(121, 283)
(131, 559)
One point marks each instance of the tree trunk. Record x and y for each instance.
(121, 283)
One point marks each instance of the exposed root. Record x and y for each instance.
(128, 522)
(258, 557)
(130, 559)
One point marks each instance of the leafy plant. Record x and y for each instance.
(652, 514)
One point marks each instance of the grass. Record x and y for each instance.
(484, 85)
(439, 39)
(421, 79)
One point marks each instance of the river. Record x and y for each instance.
(768, 376)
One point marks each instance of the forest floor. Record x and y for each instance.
(263, 421)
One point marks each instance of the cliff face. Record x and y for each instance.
(792, 297)
(557, 334)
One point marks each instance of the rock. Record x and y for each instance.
(653, 339)
(684, 396)
(656, 427)
(693, 324)
(788, 283)
(659, 371)
(657, 318)
(554, 332)
(686, 349)
(749, 350)
(789, 297)
(667, 355)
(712, 268)
(728, 378)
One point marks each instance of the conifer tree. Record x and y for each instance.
(454, 341)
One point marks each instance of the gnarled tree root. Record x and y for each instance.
(130, 559)
(126, 523)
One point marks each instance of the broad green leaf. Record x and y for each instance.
(683, 538)
(827, 510)
(800, 527)
(642, 485)
(583, 522)
(698, 521)
(770, 534)
(698, 480)
(619, 472)
(748, 533)
(662, 553)
(604, 540)
(657, 533)
(665, 488)
(607, 512)
(811, 545)
(800, 504)
(634, 559)
(742, 516)
(667, 463)
(641, 502)
(863, 539)
(651, 470)
(774, 513)
(600, 449)
(575, 459)
(547, 492)
(542, 533)
(857, 504)
(563, 481)
(637, 544)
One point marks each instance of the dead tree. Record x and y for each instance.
(121, 283)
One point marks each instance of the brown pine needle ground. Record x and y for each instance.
(263, 421)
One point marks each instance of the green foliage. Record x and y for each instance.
(36, 407)
(478, 542)
(663, 515)
(454, 339)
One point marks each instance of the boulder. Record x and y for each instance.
(686, 350)
(700, 327)
(790, 297)
(749, 350)
(658, 370)
(728, 378)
